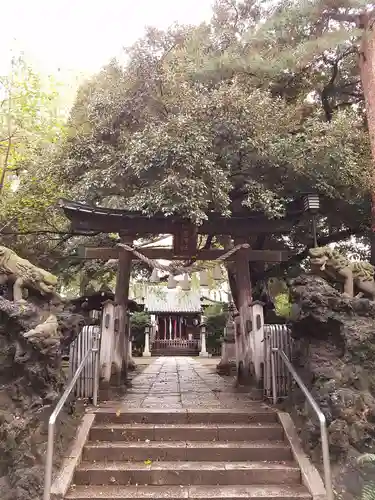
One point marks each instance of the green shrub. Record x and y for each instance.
(283, 305)
(216, 320)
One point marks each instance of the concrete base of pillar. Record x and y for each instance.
(146, 350)
(245, 374)
(227, 365)
(204, 355)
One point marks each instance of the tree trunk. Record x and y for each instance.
(231, 271)
(367, 71)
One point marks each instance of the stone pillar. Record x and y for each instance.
(130, 357)
(131, 363)
(257, 339)
(203, 353)
(146, 351)
(154, 334)
(228, 347)
(107, 344)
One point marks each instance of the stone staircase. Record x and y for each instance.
(196, 454)
(175, 351)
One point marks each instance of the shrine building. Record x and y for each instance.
(176, 316)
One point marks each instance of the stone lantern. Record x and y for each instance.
(203, 352)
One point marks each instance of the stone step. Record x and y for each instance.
(175, 352)
(189, 451)
(254, 413)
(189, 432)
(259, 492)
(186, 473)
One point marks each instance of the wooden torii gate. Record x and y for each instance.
(87, 219)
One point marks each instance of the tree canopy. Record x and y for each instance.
(250, 110)
(242, 106)
(245, 112)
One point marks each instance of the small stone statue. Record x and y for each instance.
(45, 336)
(356, 276)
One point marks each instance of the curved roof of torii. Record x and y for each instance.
(87, 218)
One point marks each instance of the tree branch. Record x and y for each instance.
(328, 88)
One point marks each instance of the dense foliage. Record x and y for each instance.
(31, 131)
(216, 319)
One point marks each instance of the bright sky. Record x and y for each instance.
(79, 36)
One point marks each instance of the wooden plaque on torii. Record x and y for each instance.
(185, 240)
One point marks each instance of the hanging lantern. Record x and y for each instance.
(185, 283)
(311, 202)
(154, 276)
(217, 274)
(203, 278)
(172, 283)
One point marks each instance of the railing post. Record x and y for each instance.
(322, 419)
(326, 459)
(49, 460)
(273, 377)
(56, 412)
(95, 351)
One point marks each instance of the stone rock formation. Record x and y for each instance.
(32, 336)
(334, 352)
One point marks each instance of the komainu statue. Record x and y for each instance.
(24, 275)
(356, 276)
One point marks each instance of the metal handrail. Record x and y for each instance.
(52, 419)
(317, 410)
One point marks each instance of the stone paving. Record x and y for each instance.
(182, 382)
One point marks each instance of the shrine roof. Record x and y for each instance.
(163, 300)
(94, 301)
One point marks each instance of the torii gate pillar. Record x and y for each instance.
(244, 354)
(121, 333)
